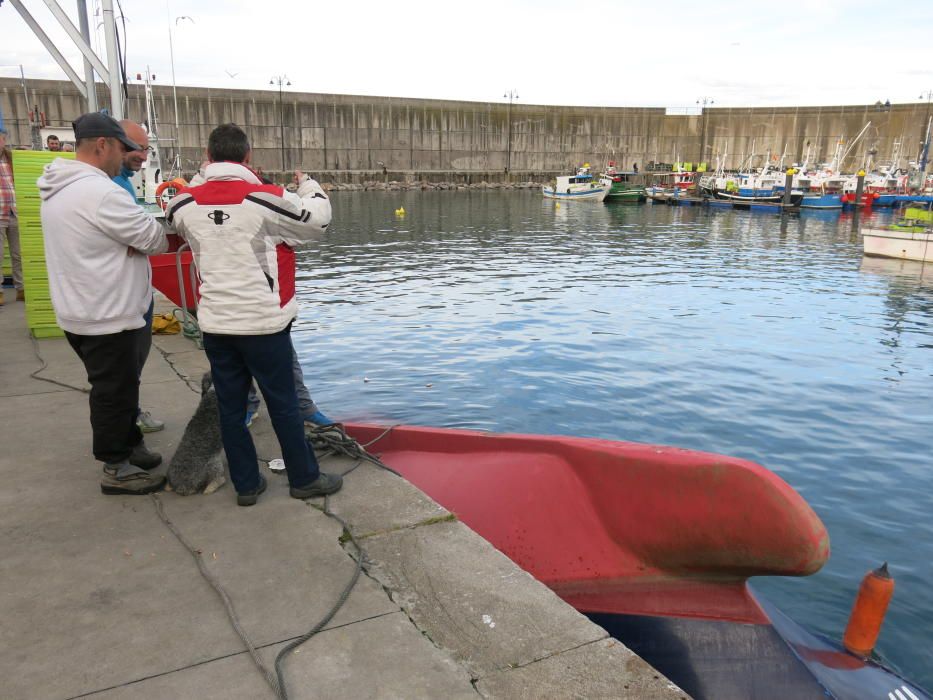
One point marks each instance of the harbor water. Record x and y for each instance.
(740, 333)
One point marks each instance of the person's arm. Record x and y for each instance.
(298, 217)
(125, 222)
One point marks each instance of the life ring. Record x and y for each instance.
(168, 189)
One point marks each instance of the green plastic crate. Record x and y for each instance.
(27, 167)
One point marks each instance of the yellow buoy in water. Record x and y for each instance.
(400, 211)
(557, 205)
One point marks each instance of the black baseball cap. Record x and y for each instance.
(94, 124)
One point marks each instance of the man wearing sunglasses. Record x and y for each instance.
(95, 242)
(133, 162)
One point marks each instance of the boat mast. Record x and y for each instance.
(852, 145)
(152, 175)
(926, 148)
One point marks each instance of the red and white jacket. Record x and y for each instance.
(241, 232)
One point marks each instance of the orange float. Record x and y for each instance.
(168, 189)
(868, 612)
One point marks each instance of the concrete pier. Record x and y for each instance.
(100, 600)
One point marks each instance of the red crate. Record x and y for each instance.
(165, 277)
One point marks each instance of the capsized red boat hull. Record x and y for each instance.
(616, 527)
(655, 545)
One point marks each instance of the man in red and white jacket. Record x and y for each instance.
(241, 232)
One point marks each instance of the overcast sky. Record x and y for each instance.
(667, 53)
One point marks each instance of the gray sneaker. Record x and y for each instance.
(126, 480)
(324, 485)
(148, 424)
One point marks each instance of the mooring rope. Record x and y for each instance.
(330, 440)
(34, 375)
(195, 553)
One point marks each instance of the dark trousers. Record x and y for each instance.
(111, 364)
(143, 350)
(235, 361)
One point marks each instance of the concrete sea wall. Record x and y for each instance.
(351, 139)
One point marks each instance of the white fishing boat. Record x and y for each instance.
(581, 186)
(911, 238)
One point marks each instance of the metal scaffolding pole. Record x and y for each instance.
(88, 68)
(113, 61)
(50, 47)
(112, 76)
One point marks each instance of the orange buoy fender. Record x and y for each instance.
(177, 184)
(868, 612)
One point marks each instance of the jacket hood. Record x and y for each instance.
(62, 172)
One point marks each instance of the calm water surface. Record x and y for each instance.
(729, 332)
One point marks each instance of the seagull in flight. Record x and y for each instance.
(232, 75)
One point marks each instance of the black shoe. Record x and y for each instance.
(249, 498)
(144, 459)
(324, 485)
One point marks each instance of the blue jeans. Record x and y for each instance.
(235, 361)
(306, 405)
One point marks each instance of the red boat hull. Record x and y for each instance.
(616, 527)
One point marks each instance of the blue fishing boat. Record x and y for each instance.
(821, 200)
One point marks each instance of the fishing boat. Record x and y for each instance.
(624, 186)
(656, 545)
(911, 238)
(821, 200)
(580, 185)
(674, 184)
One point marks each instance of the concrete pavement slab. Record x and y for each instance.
(473, 600)
(599, 670)
(380, 658)
(381, 501)
(280, 560)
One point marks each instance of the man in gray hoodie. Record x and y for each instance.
(96, 241)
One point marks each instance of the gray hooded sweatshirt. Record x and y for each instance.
(96, 242)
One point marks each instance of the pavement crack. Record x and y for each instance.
(195, 386)
(448, 518)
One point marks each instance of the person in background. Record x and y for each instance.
(52, 143)
(96, 241)
(235, 225)
(68, 148)
(9, 225)
(132, 163)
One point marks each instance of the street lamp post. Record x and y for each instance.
(280, 80)
(703, 102)
(512, 95)
(925, 133)
(176, 166)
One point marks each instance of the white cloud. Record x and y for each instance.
(605, 52)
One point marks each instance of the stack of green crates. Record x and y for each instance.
(27, 167)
